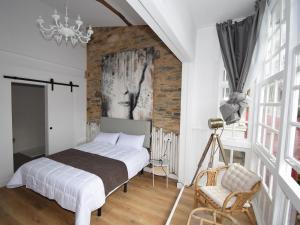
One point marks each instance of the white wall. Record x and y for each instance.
(199, 100)
(28, 117)
(23, 52)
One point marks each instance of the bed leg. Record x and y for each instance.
(125, 187)
(99, 212)
(142, 172)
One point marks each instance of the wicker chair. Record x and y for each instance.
(238, 186)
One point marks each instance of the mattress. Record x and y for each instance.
(74, 189)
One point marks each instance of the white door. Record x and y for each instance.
(59, 125)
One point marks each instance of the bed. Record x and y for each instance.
(80, 179)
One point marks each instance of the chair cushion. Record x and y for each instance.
(238, 178)
(218, 194)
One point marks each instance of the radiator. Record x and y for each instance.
(165, 145)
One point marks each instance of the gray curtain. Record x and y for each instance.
(237, 42)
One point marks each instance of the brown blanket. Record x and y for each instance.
(112, 172)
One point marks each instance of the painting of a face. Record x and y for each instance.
(127, 90)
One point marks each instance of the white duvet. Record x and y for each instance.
(75, 189)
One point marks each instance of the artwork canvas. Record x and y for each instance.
(127, 88)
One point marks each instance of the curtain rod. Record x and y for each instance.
(51, 81)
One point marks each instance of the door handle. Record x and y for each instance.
(51, 128)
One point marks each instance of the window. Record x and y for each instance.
(233, 156)
(275, 57)
(269, 116)
(276, 155)
(238, 130)
(293, 150)
(271, 83)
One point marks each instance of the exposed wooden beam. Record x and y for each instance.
(111, 8)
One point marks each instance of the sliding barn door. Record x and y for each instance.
(60, 119)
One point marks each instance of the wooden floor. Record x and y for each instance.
(141, 205)
(185, 206)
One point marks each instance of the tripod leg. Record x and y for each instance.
(202, 158)
(212, 152)
(222, 150)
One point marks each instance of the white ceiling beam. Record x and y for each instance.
(180, 42)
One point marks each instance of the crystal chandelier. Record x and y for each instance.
(60, 31)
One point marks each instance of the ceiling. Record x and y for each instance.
(204, 12)
(94, 13)
(208, 12)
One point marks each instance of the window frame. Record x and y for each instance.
(292, 87)
(264, 80)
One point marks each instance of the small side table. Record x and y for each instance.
(164, 165)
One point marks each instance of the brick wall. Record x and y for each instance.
(167, 72)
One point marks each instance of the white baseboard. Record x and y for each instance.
(172, 176)
(174, 207)
(180, 185)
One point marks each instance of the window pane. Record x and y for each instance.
(269, 54)
(282, 59)
(275, 64)
(226, 93)
(269, 116)
(239, 157)
(275, 144)
(276, 41)
(283, 34)
(283, 9)
(268, 139)
(296, 106)
(275, 15)
(268, 69)
(227, 155)
(260, 137)
(262, 167)
(267, 177)
(295, 176)
(271, 96)
(297, 77)
(296, 152)
(225, 76)
(277, 118)
(279, 90)
(262, 94)
(261, 114)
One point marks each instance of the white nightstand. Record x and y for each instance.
(160, 168)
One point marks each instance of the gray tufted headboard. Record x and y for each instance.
(134, 127)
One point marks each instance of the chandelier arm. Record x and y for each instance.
(42, 27)
(49, 33)
(83, 39)
(77, 29)
(57, 23)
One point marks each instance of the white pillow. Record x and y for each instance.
(107, 137)
(135, 141)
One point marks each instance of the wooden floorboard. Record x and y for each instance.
(141, 205)
(185, 206)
